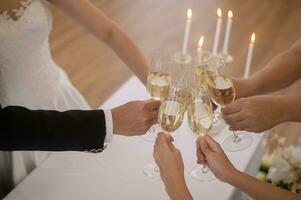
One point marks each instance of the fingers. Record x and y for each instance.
(212, 145)
(231, 108)
(163, 141)
(233, 119)
(151, 105)
(240, 126)
(153, 121)
(204, 147)
(153, 114)
(201, 159)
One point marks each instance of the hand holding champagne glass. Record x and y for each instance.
(170, 118)
(158, 84)
(200, 116)
(222, 93)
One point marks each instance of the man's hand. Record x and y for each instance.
(254, 114)
(135, 118)
(171, 165)
(210, 153)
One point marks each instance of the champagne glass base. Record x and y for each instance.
(198, 174)
(239, 145)
(181, 58)
(226, 57)
(152, 171)
(151, 134)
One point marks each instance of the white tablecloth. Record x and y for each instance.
(117, 172)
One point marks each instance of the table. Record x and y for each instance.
(117, 173)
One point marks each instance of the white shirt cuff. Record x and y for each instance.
(109, 125)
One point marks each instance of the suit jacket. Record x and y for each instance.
(46, 130)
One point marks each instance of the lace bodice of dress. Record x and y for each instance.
(16, 13)
(26, 65)
(24, 29)
(28, 75)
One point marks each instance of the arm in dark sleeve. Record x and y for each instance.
(75, 130)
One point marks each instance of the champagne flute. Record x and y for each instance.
(222, 93)
(158, 84)
(170, 118)
(200, 120)
(204, 61)
(158, 79)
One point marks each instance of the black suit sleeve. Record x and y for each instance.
(75, 130)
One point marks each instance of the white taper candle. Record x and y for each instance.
(187, 31)
(217, 31)
(228, 31)
(249, 57)
(200, 48)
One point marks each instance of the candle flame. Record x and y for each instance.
(219, 13)
(230, 14)
(201, 41)
(189, 13)
(253, 38)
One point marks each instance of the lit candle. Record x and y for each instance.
(187, 31)
(217, 31)
(200, 46)
(249, 57)
(228, 31)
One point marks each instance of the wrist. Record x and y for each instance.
(172, 179)
(289, 108)
(244, 87)
(177, 189)
(281, 109)
(233, 176)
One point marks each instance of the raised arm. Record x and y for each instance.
(107, 31)
(280, 72)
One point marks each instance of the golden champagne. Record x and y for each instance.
(171, 115)
(221, 90)
(199, 117)
(200, 76)
(158, 85)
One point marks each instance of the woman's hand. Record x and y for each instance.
(168, 158)
(170, 162)
(135, 118)
(254, 114)
(210, 153)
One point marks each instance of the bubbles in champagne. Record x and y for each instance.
(158, 85)
(199, 117)
(221, 90)
(171, 115)
(200, 76)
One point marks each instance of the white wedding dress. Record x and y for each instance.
(28, 75)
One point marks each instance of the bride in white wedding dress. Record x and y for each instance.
(28, 75)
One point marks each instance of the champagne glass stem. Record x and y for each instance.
(205, 169)
(236, 138)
